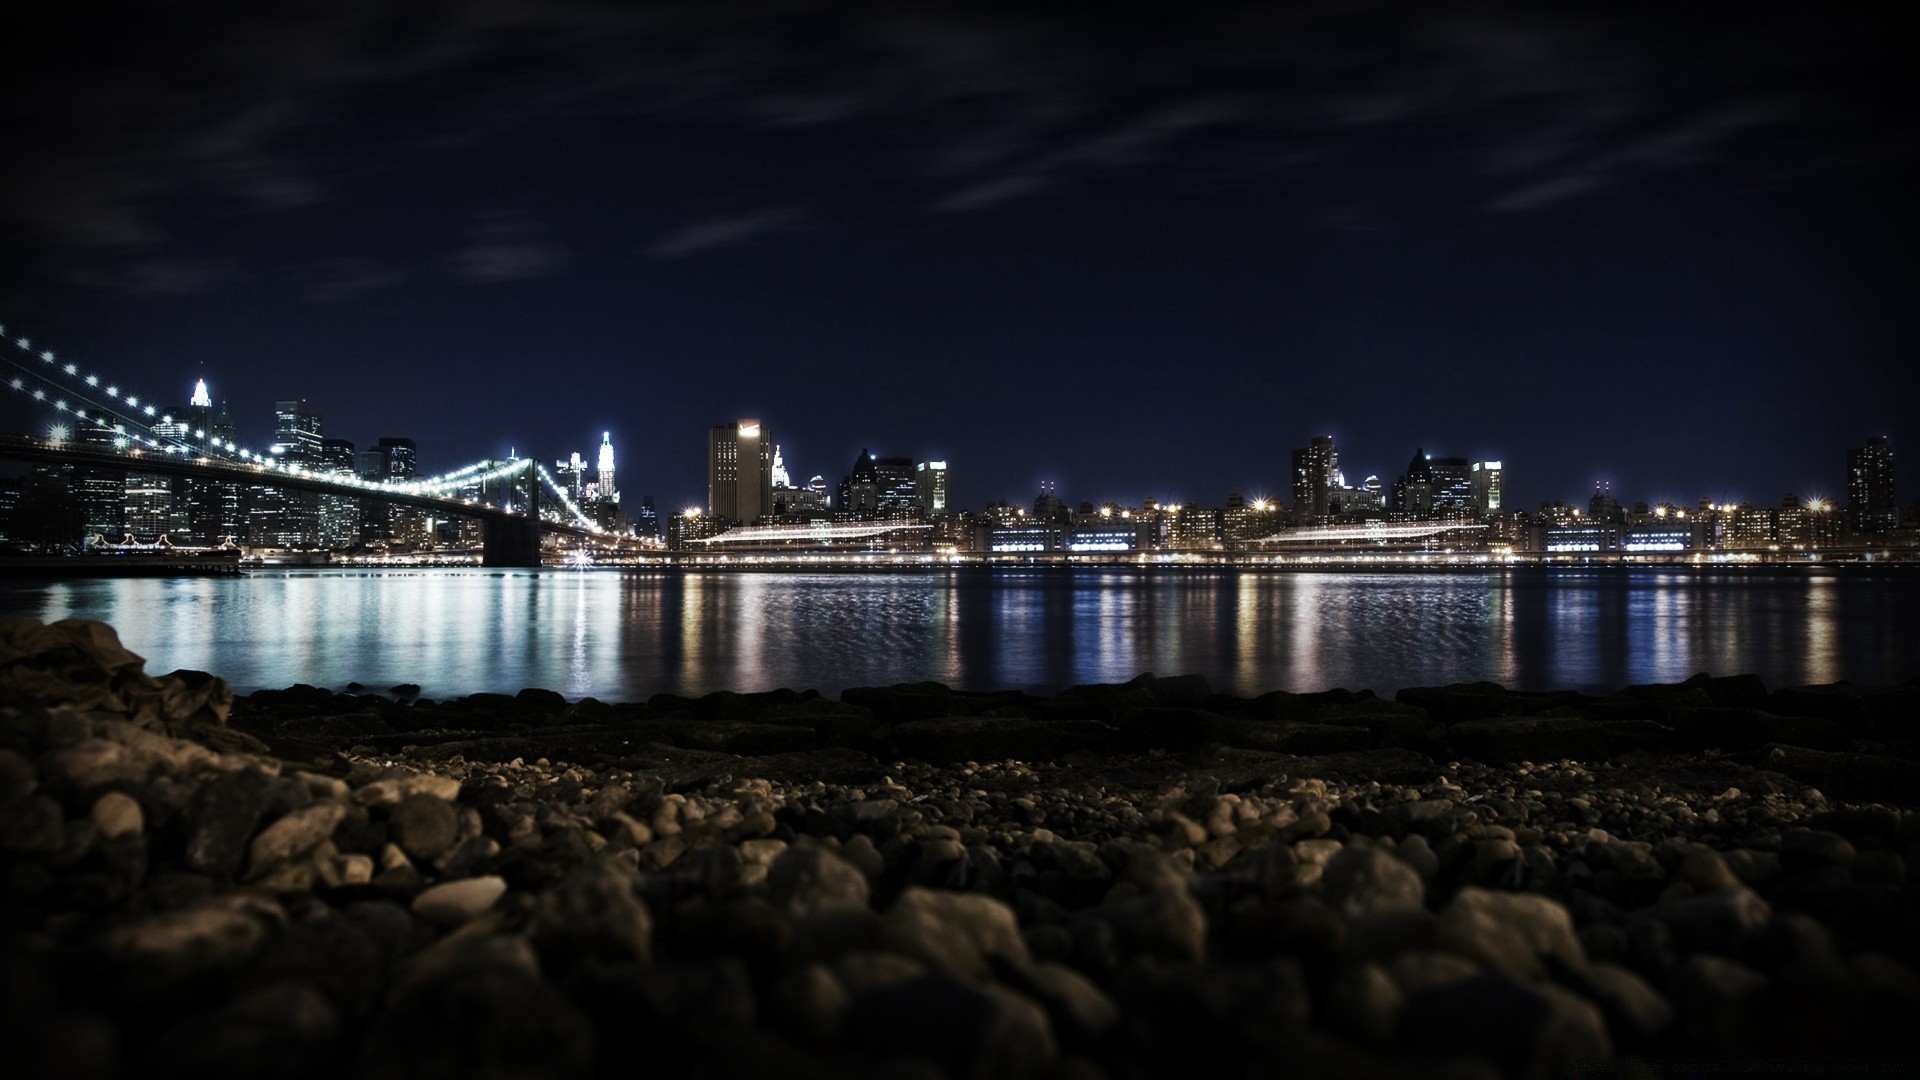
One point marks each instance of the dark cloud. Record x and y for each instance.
(723, 232)
(507, 246)
(332, 280)
(235, 107)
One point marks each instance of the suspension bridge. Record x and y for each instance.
(130, 432)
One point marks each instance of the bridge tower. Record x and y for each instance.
(514, 541)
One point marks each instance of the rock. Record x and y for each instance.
(293, 836)
(1631, 1004)
(593, 914)
(1164, 922)
(864, 970)
(477, 1008)
(1801, 848)
(1515, 933)
(219, 934)
(425, 827)
(1420, 970)
(456, 902)
(964, 933)
(1080, 1011)
(1362, 878)
(1364, 1003)
(17, 777)
(1718, 1002)
(222, 815)
(804, 879)
(33, 827)
(1525, 1030)
(1712, 922)
(809, 1003)
(1417, 853)
(1706, 871)
(965, 1030)
(116, 815)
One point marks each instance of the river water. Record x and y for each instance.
(621, 636)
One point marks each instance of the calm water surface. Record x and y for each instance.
(623, 636)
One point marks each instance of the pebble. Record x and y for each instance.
(424, 826)
(1515, 933)
(457, 902)
(116, 816)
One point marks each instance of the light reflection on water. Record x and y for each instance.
(625, 636)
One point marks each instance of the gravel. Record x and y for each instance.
(1114, 881)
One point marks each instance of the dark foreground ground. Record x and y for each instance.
(1115, 881)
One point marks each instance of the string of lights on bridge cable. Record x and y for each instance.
(72, 393)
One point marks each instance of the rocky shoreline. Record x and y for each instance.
(909, 881)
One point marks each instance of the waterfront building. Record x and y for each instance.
(101, 493)
(1313, 467)
(803, 502)
(1808, 524)
(1591, 537)
(1027, 537)
(1751, 528)
(1048, 506)
(1242, 521)
(280, 517)
(646, 520)
(150, 514)
(1413, 493)
(879, 487)
(1452, 484)
(1870, 491)
(739, 472)
(930, 487)
(339, 514)
(689, 525)
(1488, 483)
(213, 509)
(1603, 506)
(1195, 527)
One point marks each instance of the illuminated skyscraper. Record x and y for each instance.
(1313, 467)
(930, 484)
(608, 493)
(739, 472)
(1870, 495)
(780, 477)
(1489, 486)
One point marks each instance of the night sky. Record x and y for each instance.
(1147, 254)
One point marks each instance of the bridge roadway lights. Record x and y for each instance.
(510, 541)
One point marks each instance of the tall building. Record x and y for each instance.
(879, 486)
(604, 472)
(1452, 484)
(930, 486)
(339, 514)
(101, 493)
(1489, 481)
(1313, 467)
(282, 517)
(1416, 490)
(1870, 495)
(150, 514)
(212, 508)
(739, 472)
(573, 473)
(780, 477)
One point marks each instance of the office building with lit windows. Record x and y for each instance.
(1870, 494)
(739, 472)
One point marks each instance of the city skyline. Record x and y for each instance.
(1591, 241)
(1839, 490)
